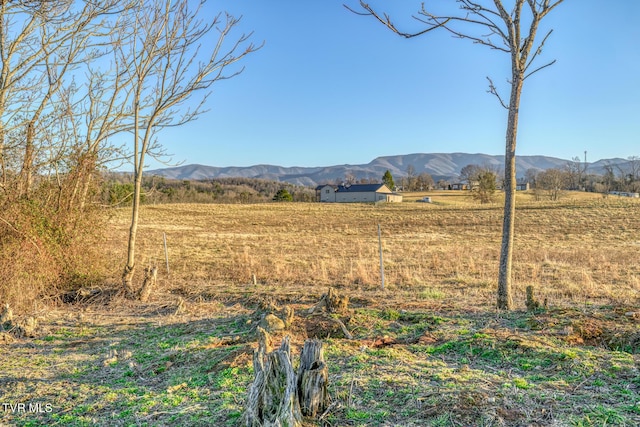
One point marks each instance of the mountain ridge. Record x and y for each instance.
(438, 165)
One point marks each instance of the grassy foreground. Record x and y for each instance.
(428, 350)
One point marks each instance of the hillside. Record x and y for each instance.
(438, 165)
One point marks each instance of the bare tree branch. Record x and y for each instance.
(386, 21)
(538, 51)
(538, 69)
(492, 90)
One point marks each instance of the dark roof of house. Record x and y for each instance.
(359, 188)
(354, 188)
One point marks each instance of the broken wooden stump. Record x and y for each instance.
(150, 277)
(321, 319)
(287, 314)
(6, 317)
(331, 302)
(273, 318)
(21, 328)
(532, 303)
(313, 380)
(272, 399)
(279, 397)
(272, 323)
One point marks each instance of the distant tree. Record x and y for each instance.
(283, 195)
(121, 194)
(609, 180)
(486, 189)
(387, 180)
(443, 184)
(575, 173)
(531, 176)
(303, 196)
(469, 174)
(553, 182)
(630, 174)
(403, 184)
(350, 178)
(425, 182)
(411, 178)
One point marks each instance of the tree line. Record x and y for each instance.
(118, 190)
(552, 184)
(616, 177)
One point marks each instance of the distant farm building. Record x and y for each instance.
(625, 194)
(462, 186)
(356, 193)
(522, 186)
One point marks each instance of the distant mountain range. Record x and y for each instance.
(438, 165)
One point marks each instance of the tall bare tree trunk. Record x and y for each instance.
(26, 174)
(87, 165)
(3, 171)
(138, 163)
(129, 269)
(505, 299)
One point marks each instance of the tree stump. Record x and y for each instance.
(150, 277)
(278, 397)
(336, 303)
(331, 302)
(313, 380)
(319, 316)
(6, 317)
(532, 303)
(287, 314)
(272, 399)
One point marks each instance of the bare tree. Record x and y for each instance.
(531, 175)
(41, 44)
(629, 173)
(425, 181)
(609, 181)
(634, 172)
(514, 31)
(350, 178)
(173, 56)
(576, 170)
(554, 182)
(411, 178)
(470, 174)
(44, 49)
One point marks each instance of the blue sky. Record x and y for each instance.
(330, 87)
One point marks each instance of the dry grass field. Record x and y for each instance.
(428, 350)
(576, 251)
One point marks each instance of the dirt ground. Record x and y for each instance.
(186, 360)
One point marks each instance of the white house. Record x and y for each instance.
(356, 193)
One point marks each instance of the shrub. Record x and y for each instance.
(283, 195)
(45, 249)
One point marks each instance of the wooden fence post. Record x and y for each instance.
(381, 261)
(166, 252)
